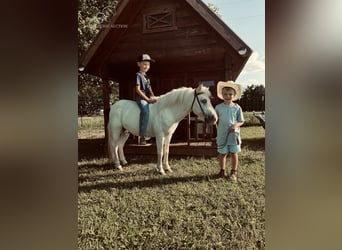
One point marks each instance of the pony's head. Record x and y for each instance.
(202, 107)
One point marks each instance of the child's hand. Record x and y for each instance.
(152, 100)
(231, 129)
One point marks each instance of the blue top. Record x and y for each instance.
(144, 82)
(227, 116)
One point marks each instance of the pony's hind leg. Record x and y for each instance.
(113, 141)
(123, 138)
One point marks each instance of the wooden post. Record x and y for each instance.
(196, 128)
(188, 127)
(106, 109)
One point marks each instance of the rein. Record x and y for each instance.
(199, 103)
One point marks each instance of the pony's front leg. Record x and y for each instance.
(160, 143)
(166, 153)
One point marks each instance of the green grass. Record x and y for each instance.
(90, 127)
(137, 208)
(187, 209)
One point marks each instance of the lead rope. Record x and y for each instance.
(226, 141)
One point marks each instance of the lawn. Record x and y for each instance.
(188, 209)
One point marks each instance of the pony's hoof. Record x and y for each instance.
(162, 172)
(124, 163)
(119, 167)
(169, 170)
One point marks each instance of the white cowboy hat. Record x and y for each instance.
(230, 84)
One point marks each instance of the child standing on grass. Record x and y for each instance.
(144, 94)
(230, 118)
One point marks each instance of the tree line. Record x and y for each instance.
(253, 98)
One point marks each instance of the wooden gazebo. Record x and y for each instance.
(189, 42)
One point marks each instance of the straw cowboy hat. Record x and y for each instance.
(231, 84)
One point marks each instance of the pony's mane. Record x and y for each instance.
(173, 96)
(177, 96)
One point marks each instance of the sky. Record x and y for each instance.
(247, 19)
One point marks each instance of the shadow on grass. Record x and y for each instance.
(156, 180)
(96, 148)
(91, 148)
(106, 165)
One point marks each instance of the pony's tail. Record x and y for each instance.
(109, 143)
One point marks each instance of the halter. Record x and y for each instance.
(199, 103)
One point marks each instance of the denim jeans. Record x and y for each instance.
(144, 115)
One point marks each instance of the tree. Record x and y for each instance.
(253, 98)
(91, 14)
(90, 96)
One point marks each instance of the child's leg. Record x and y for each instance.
(222, 161)
(144, 116)
(234, 160)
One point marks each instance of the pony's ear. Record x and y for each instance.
(199, 88)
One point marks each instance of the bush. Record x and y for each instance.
(250, 119)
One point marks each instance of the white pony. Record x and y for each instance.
(165, 115)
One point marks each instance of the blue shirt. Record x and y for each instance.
(227, 116)
(144, 83)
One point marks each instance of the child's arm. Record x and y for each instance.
(235, 126)
(152, 94)
(142, 94)
(152, 99)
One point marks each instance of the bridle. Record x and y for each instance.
(199, 103)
